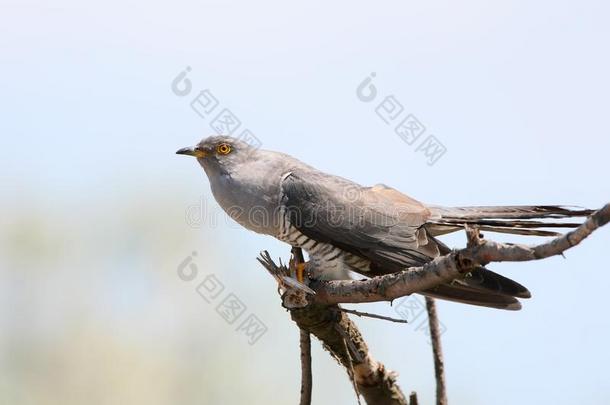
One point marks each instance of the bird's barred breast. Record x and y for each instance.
(327, 255)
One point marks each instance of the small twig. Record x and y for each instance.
(473, 236)
(353, 350)
(437, 352)
(350, 362)
(369, 315)
(341, 338)
(306, 376)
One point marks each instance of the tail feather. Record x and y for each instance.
(513, 212)
(495, 283)
(518, 231)
(479, 298)
(504, 219)
(483, 288)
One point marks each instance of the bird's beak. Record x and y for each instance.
(198, 153)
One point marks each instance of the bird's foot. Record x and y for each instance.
(297, 280)
(300, 272)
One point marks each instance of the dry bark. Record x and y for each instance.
(340, 336)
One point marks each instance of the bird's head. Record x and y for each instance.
(219, 153)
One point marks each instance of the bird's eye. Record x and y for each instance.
(223, 148)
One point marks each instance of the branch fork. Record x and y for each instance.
(313, 305)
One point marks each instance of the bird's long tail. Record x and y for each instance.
(518, 220)
(484, 287)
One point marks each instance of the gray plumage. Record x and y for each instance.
(368, 230)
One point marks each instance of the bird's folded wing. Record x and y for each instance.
(377, 223)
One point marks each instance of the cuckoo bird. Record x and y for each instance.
(345, 227)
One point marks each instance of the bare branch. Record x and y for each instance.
(437, 352)
(352, 351)
(340, 336)
(369, 315)
(451, 266)
(306, 377)
(318, 313)
(342, 339)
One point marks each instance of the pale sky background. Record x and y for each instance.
(94, 199)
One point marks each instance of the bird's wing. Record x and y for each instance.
(377, 223)
(387, 228)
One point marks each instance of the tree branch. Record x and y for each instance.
(314, 308)
(374, 316)
(341, 338)
(449, 267)
(306, 377)
(437, 352)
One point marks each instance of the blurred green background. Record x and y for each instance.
(97, 213)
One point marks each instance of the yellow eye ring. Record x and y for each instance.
(223, 149)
